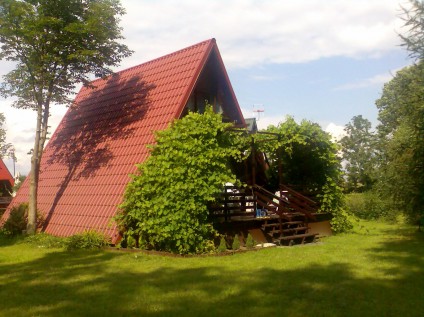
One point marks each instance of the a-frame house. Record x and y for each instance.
(88, 160)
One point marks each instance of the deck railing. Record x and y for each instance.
(244, 202)
(234, 201)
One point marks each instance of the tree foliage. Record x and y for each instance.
(55, 44)
(401, 131)
(165, 205)
(4, 147)
(413, 37)
(309, 163)
(359, 154)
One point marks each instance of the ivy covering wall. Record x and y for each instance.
(165, 205)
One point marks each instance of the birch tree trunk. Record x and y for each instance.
(35, 169)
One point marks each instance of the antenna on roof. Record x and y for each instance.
(258, 111)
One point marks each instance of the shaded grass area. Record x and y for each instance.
(376, 271)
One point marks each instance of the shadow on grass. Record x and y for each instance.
(93, 284)
(9, 240)
(405, 250)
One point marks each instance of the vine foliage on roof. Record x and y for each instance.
(165, 205)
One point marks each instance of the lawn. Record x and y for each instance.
(376, 271)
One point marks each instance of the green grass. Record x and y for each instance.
(376, 271)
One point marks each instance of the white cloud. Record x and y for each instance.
(262, 77)
(377, 80)
(248, 32)
(336, 131)
(262, 120)
(253, 32)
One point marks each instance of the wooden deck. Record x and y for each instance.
(282, 219)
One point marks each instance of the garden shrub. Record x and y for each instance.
(44, 240)
(222, 245)
(131, 242)
(165, 205)
(236, 243)
(250, 243)
(17, 222)
(89, 239)
(368, 205)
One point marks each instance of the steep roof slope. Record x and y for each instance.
(87, 163)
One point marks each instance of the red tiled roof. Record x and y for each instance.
(87, 163)
(5, 174)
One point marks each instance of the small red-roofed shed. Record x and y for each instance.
(6, 178)
(88, 161)
(6, 186)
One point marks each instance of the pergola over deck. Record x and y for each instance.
(283, 216)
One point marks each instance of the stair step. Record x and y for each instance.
(291, 230)
(297, 236)
(284, 223)
(289, 223)
(291, 239)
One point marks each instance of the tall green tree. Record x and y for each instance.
(401, 131)
(55, 45)
(359, 154)
(413, 36)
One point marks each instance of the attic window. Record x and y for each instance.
(197, 102)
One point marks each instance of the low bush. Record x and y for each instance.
(368, 205)
(18, 219)
(44, 240)
(131, 242)
(222, 245)
(250, 243)
(236, 243)
(89, 239)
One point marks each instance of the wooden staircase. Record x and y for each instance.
(288, 230)
(287, 223)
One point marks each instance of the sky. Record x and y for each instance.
(323, 61)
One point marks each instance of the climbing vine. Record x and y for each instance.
(165, 205)
(309, 162)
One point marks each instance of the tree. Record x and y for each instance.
(4, 147)
(165, 205)
(413, 39)
(55, 44)
(18, 183)
(401, 133)
(358, 148)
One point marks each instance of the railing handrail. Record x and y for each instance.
(296, 193)
(271, 197)
(295, 205)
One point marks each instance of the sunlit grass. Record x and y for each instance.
(378, 270)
